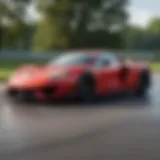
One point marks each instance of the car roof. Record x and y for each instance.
(92, 53)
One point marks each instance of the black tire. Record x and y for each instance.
(85, 88)
(143, 84)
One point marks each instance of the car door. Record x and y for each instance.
(107, 71)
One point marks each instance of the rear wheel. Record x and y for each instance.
(86, 88)
(143, 84)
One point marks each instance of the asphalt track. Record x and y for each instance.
(123, 128)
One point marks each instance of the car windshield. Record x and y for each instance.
(71, 59)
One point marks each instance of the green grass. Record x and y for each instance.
(4, 74)
(155, 66)
(7, 67)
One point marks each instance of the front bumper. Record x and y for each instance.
(47, 92)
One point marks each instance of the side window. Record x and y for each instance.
(103, 61)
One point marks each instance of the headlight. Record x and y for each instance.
(59, 75)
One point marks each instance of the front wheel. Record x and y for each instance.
(85, 89)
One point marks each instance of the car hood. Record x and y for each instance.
(37, 73)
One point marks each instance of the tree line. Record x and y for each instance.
(74, 24)
(144, 38)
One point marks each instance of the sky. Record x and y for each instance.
(140, 11)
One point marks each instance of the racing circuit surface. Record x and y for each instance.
(118, 129)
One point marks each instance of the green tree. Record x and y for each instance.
(48, 36)
(144, 38)
(153, 30)
(3, 16)
(15, 30)
(134, 36)
(154, 26)
(80, 23)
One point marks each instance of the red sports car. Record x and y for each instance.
(81, 75)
